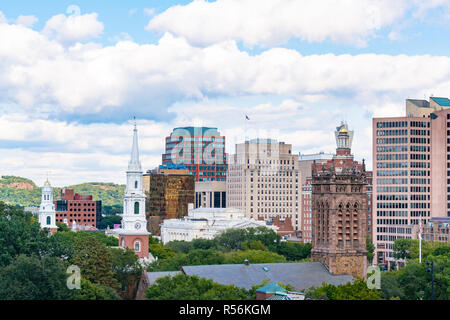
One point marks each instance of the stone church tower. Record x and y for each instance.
(338, 209)
(134, 234)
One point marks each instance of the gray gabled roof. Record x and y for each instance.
(153, 276)
(301, 275)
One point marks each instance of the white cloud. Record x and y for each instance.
(268, 23)
(26, 21)
(73, 28)
(3, 18)
(149, 11)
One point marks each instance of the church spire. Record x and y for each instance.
(134, 164)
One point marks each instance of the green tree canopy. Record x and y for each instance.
(183, 287)
(34, 278)
(350, 291)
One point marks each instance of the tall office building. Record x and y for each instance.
(263, 181)
(201, 149)
(411, 175)
(169, 190)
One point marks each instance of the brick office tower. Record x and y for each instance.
(339, 211)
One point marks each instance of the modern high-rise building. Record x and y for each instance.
(263, 181)
(169, 190)
(210, 194)
(411, 171)
(305, 162)
(201, 149)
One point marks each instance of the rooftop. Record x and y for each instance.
(301, 275)
(444, 102)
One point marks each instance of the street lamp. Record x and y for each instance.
(432, 277)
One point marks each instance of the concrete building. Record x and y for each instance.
(169, 189)
(82, 210)
(263, 181)
(206, 223)
(305, 162)
(201, 149)
(210, 194)
(339, 206)
(411, 159)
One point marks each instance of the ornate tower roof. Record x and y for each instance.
(135, 164)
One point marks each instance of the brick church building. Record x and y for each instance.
(339, 205)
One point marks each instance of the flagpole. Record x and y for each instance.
(420, 241)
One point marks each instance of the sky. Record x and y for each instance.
(74, 73)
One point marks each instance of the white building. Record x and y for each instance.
(133, 233)
(206, 223)
(47, 213)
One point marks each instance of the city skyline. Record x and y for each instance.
(74, 74)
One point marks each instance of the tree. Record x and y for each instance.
(370, 249)
(34, 278)
(110, 221)
(19, 234)
(183, 287)
(294, 251)
(350, 291)
(126, 266)
(62, 227)
(401, 249)
(253, 256)
(94, 291)
(253, 245)
(94, 260)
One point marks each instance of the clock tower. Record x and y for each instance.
(134, 234)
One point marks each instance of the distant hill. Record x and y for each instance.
(24, 192)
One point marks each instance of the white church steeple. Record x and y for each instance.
(134, 219)
(47, 212)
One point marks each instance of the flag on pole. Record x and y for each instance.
(246, 117)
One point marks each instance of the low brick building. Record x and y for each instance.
(82, 209)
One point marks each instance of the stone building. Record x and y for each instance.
(339, 205)
(169, 192)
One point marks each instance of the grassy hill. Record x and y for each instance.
(24, 192)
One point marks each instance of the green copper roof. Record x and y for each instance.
(445, 102)
(272, 287)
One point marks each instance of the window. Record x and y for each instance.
(137, 246)
(135, 184)
(48, 220)
(136, 208)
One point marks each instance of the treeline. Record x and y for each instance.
(233, 246)
(34, 265)
(24, 192)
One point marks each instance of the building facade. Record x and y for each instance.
(211, 194)
(79, 209)
(411, 176)
(169, 189)
(201, 149)
(263, 181)
(206, 223)
(306, 212)
(339, 204)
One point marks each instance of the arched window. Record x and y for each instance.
(48, 220)
(137, 246)
(135, 184)
(123, 243)
(136, 208)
